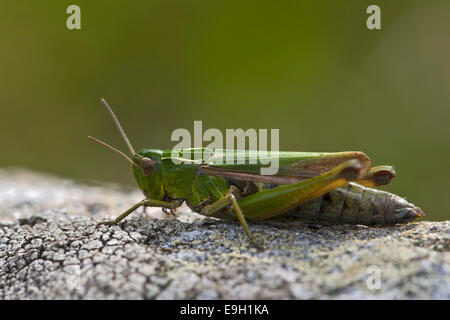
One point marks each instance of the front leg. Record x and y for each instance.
(172, 211)
(145, 203)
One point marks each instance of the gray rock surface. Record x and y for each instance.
(50, 249)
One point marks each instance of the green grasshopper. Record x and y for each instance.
(330, 187)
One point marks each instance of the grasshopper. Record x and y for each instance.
(326, 186)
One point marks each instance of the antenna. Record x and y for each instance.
(115, 150)
(122, 132)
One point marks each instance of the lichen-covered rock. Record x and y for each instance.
(51, 249)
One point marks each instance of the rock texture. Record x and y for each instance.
(50, 249)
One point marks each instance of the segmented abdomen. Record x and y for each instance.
(353, 204)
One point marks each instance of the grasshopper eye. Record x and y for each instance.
(147, 166)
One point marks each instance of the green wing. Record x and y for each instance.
(247, 164)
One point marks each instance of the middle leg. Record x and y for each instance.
(227, 200)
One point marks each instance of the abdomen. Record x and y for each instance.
(355, 204)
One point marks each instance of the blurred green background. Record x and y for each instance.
(310, 68)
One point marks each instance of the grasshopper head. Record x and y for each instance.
(146, 164)
(148, 161)
(148, 173)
